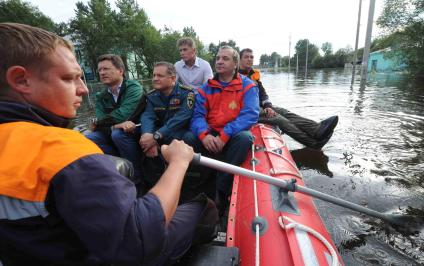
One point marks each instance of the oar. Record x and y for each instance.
(396, 219)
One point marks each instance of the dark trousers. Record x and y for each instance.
(153, 168)
(234, 152)
(119, 143)
(187, 225)
(301, 129)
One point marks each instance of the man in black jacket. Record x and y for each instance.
(305, 131)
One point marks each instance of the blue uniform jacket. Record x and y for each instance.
(168, 114)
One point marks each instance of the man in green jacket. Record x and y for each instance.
(113, 132)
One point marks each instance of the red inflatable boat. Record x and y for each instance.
(268, 224)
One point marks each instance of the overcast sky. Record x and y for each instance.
(263, 25)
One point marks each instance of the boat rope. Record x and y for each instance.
(293, 224)
(255, 195)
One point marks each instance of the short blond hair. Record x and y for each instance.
(26, 46)
(186, 41)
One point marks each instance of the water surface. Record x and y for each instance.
(375, 158)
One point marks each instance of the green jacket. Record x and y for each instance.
(109, 113)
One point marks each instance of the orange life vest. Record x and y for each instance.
(32, 154)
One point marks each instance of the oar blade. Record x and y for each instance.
(411, 222)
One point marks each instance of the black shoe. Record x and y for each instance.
(326, 129)
(322, 142)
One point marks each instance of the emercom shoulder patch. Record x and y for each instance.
(190, 100)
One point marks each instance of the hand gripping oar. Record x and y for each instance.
(396, 219)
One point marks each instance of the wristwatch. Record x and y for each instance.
(157, 136)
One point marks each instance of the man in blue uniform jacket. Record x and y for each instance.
(168, 111)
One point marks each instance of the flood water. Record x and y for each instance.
(375, 158)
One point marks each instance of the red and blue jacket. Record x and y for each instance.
(226, 108)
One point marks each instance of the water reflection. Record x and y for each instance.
(307, 158)
(375, 157)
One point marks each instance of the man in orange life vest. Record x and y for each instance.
(61, 199)
(225, 109)
(306, 131)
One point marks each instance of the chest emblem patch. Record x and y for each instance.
(175, 101)
(232, 105)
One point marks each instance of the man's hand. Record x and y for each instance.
(213, 144)
(177, 152)
(147, 141)
(127, 126)
(270, 112)
(152, 151)
(167, 189)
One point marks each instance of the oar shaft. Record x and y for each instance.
(232, 169)
(341, 202)
(229, 168)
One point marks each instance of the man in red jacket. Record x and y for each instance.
(225, 109)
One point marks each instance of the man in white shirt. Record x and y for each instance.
(192, 71)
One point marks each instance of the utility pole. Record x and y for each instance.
(289, 50)
(364, 73)
(306, 61)
(297, 63)
(355, 56)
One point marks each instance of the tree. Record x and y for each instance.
(168, 49)
(264, 60)
(137, 36)
(213, 50)
(284, 61)
(62, 29)
(300, 49)
(275, 59)
(23, 12)
(94, 28)
(327, 48)
(404, 21)
(341, 57)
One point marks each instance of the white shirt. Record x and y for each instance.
(116, 94)
(194, 76)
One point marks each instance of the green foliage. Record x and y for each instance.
(213, 50)
(275, 59)
(327, 48)
(137, 35)
(62, 29)
(285, 61)
(403, 22)
(300, 49)
(127, 32)
(23, 12)
(168, 49)
(94, 29)
(265, 60)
